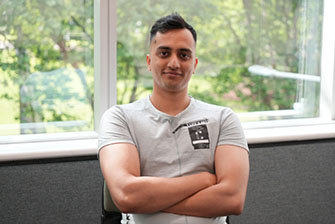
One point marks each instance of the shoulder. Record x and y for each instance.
(222, 115)
(203, 106)
(134, 106)
(125, 109)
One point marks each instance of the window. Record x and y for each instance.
(262, 58)
(271, 61)
(46, 71)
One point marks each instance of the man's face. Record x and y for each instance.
(172, 60)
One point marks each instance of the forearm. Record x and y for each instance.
(214, 201)
(227, 197)
(151, 194)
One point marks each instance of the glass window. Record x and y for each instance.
(262, 58)
(46, 69)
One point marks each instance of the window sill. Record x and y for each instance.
(282, 133)
(43, 146)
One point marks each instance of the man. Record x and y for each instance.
(169, 158)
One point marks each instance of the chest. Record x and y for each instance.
(176, 147)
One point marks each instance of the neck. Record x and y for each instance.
(170, 103)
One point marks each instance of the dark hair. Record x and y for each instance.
(171, 22)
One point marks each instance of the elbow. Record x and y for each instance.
(125, 204)
(128, 200)
(237, 209)
(124, 197)
(129, 205)
(124, 200)
(231, 206)
(237, 205)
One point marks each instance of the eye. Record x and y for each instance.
(163, 54)
(184, 56)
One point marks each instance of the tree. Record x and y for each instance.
(41, 36)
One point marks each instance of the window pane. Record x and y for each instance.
(46, 71)
(262, 58)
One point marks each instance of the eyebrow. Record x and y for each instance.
(163, 48)
(169, 48)
(185, 50)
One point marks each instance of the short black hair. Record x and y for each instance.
(171, 22)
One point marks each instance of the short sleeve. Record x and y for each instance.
(114, 128)
(231, 131)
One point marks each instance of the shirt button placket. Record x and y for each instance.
(174, 136)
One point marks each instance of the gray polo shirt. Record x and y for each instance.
(171, 146)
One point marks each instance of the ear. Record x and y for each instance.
(149, 62)
(195, 65)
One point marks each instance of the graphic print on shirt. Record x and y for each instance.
(198, 133)
(199, 136)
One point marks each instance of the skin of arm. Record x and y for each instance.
(133, 193)
(227, 197)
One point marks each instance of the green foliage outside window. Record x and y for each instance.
(39, 38)
(232, 35)
(46, 59)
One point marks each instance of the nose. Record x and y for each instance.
(173, 63)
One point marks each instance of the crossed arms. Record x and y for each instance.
(202, 194)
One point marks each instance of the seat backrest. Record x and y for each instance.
(108, 204)
(110, 213)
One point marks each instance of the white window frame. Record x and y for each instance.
(38, 146)
(311, 128)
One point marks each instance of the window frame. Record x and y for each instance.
(327, 100)
(38, 146)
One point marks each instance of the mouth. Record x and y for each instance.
(171, 73)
